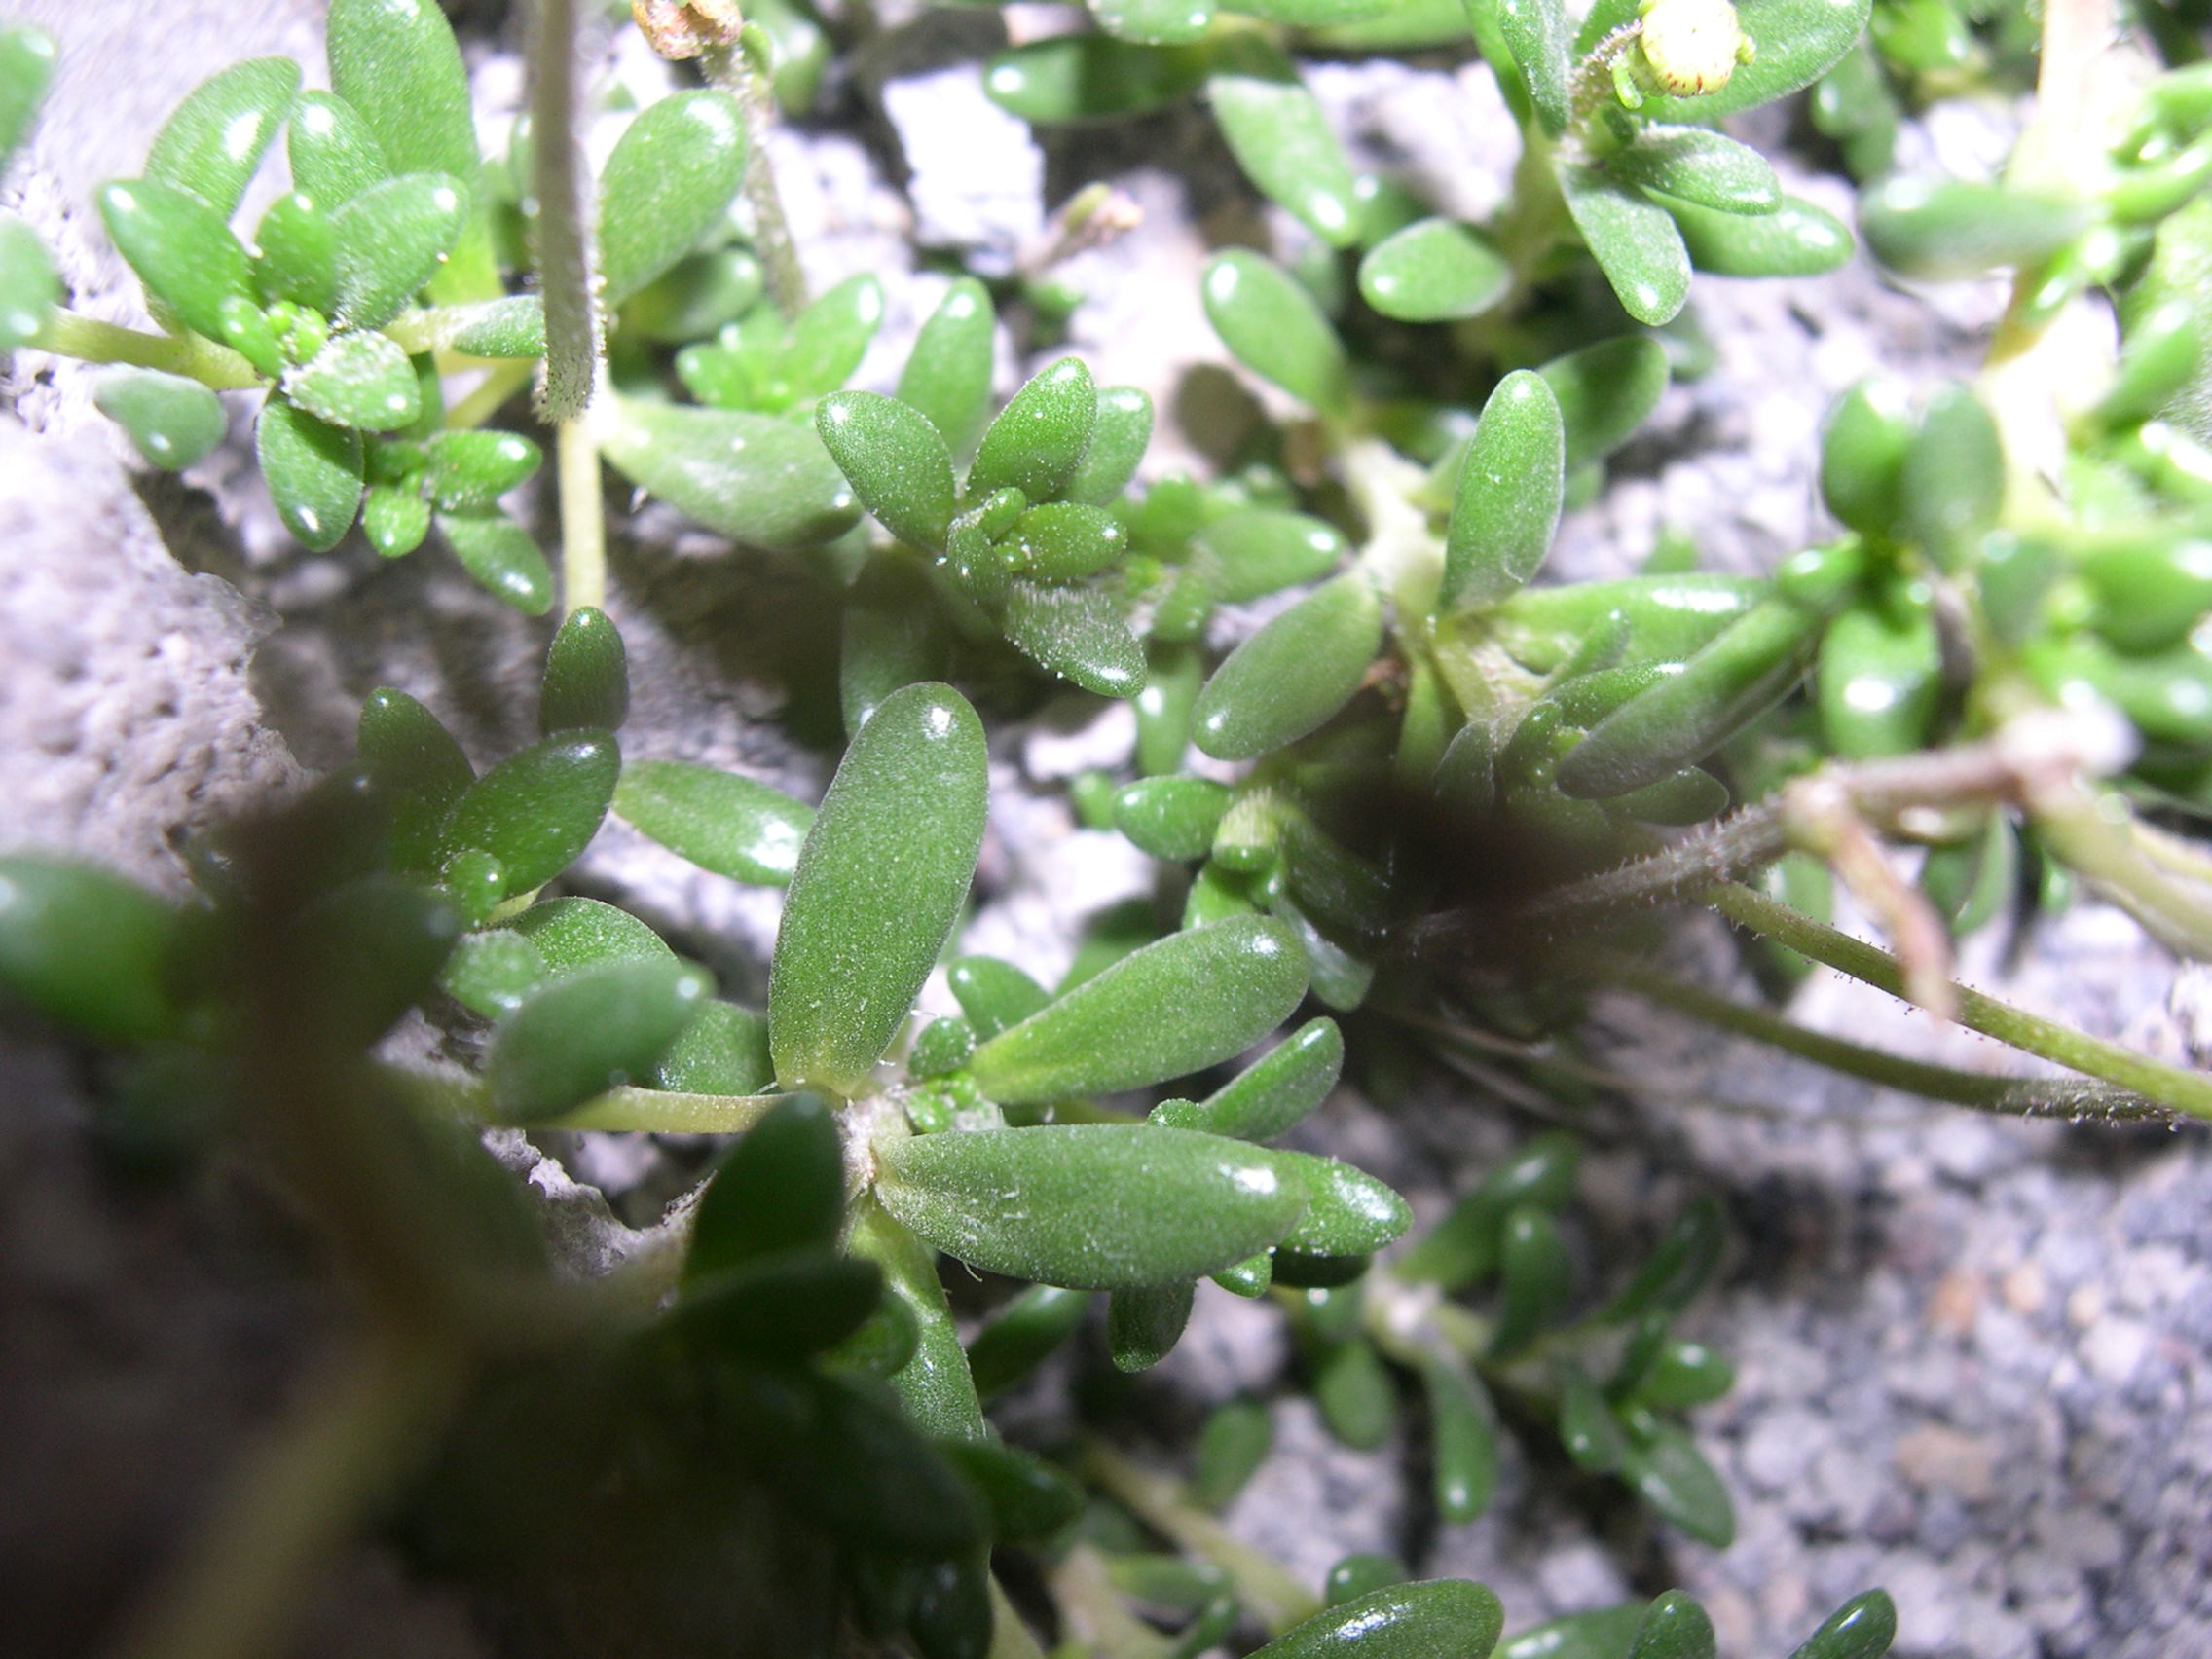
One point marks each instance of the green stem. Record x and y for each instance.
(1095, 1613)
(641, 1111)
(436, 328)
(583, 522)
(2167, 1086)
(501, 382)
(732, 68)
(70, 334)
(1263, 1584)
(294, 1501)
(2034, 1097)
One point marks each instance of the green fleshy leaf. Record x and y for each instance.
(378, 945)
(896, 461)
(1172, 818)
(1348, 1212)
(1433, 271)
(1229, 984)
(1074, 78)
(1693, 165)
(492, 973)
(418, 769)
(720, 820)
(993, 994)
(1355, 1391)
(212, 143)
(723, 1050)
(1605, 392)
(1592, 1439)
(1603, 1635)
(1261, 550)
(778, 1309)
(1535, 33)
(947, 375)
(1863, 449)
(936, 1389)
(470, 471)
(1944, 229)
(1634, 242)
(587, 675)
(1670, 1474)
(28, 287)
(512, 327)
(1308, 14)
(665, 185)
(333, 153)
(360, 379)
(1407, 1621)
(751, 477)
(1682, 1375)
(1274, 327)
(172, 422)
(1038, 438)
(1676, 1271)
(1796, 239)
(503, 558)
(1118, 439)
(391, 240)
(826, 341)
(1796, 41)
(880, 878)
(1271, 1096)
(1064, 541)
(1538, 1280)
(1156, 22)
(26, 64)
(536, 810)
(1292, 676)
(86, 948)
(1022, 1334)
(1676, 1628)
(1163, 708)
(781, 1188)
(312, 471)
(1669, 617)
(583, 1035)
(181, 250)
(1281, 138)
(2153, 585)
(1878, 678)
(1144, 1324)
(891, 635)
(396, 63)
(298, 259)
(1464, 1425)
(1862, 1628)
(1078, 634)
(1233, 1444)
(1357, 1575)
(1092, 1207)
(1030, 1500)
(1952, 478)
(696, 297)
(1511, 484)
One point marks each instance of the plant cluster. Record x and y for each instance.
(1437, 798)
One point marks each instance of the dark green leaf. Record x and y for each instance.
(28, 287)
(1463, 1427)
(1428, 1620)
(298, 257)
(1796, 239)
(880, 878)
(583, 1035)
(1118, 439)
(1274, 327)
(1602, 1635)
(1356, 1393)
(366, 952)
(947, 375)
(1348, 1212)
(1671, 1475)
(1294, 674)
(1022, 1333)
(1030, 1499)
(1587, 1431)
(172, 422)
(1953, 476)
(778, 1309)
(1678, 1269)
(1878, 678)
(751, 477)
(1706, 168)
(470, 471)
(538, 809)
(587, 675)
(696, 297)
(1172, 818)
(2153, 585)
(212, 143)
(665, 184)
(333, 154)
(1507, 503)
(1281, 138)
(1535, 33)
(512, 327)
(993, 994)
(952, 1615)
(312, 471)
(1357, 1575)
(360, 379)
(781, 1188)
(1040, 436)
(87, 948)
(723, 1050)
(1077, 633)
(1097, 1206)
(502, 558)
(1676, 1628)
(1066, 541)
(1682, 1375)
(934, 1387)
(896, 461)
(1144, 1324)
(418, 769)
(180, 248)
(391, 240)
(1862, 1628)
(1942, 229)
(492, 973)
(1538, 1280)
(1085, 77)
(1177, 1006)
(1233, 1444)
(570, 935)
(1434, 271)
(1634, 242)
(1273, 1095)
(1605, 392)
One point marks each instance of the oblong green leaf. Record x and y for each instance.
(1506, 506)
(1281, 138)
(1172, 818)
(213, 141)
(1273, 327)
(180, 248)
(1433, 271)
(1693, 165)
(298, 253)
(1944, 229)
(936, 1389)
(1537, 1277)
(1354, 1389)
(1634, 241)
(587, 1033)
(723, 1050)
(751, 477)
(1602, 1635)
(28, 287)
(333, 154)
(1952, 479)
(312, 471)
(880, 878)
(570, 935)
(504, 559)
(398, 64)
(1088, 1206)
(1226, 985)
(1877, 678)
(172, 422)
(993, 994)
(1463, 1426)
(1348, 1212)
(538, 809)
(1670, 1474)
(1292, 675)
(587, 675)
(1796, 41)
(722, 822)
(665, 184)
(1425, 1620)
(1862, 1628)
(360, 379)
(1144, 1324)
(492, 973)
(1863, 449)
(1154, 21)
(26, 64)
(1073, 78)
(947, 375)
(86, 948)
(417, 767)
(896, 461)
(1261, 550)
(1079, 634)
(1535, 33)
(1796, 239)
(470, 471)
(1064, 541)
(1605, 392)
(1233, 1444)
(390, 240)
(1273, 1095)
(826, 342)
(512, 327)
(778, 1309)
(1674, 1628)
(1019, 1337)
(781, 1188)
(1118, 439)
(1038, 438)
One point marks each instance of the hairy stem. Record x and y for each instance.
(734, 70)
(2167, 1086)
(564, 252)
(70, 334)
